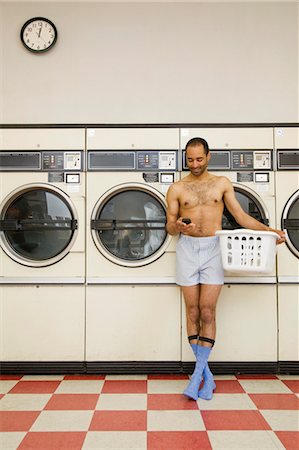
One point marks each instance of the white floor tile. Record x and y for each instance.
(166, 386)
(175, 421)
(7, 385)
(120, 440)
(11, 440)
(24, 402)
(249, 440)
(282, 420)
(42, 377)
(80, 387)
(225, 377)
(122, 402)
(288, 377)
(126, 377)
(62, 421)
(264, 387)
(227, 402)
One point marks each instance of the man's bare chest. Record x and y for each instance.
(200, 194)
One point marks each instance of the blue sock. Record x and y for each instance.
(206, 392)
(202, 356)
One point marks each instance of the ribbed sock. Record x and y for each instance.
(192, 389)
(206, 392)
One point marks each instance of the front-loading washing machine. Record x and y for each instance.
(287, 214)
(42, 243)
(133, 304)
(247, 307)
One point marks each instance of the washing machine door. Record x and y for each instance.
(38, 225)
(290, 223)
(128, 225)
(251, 203)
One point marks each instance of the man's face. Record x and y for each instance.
(197, 160)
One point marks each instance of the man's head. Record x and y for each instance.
(198, 141)
(197, 155)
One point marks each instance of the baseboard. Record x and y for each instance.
(289, 367)
(145, 367)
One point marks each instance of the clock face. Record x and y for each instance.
(38, 34)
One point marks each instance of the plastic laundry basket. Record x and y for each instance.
(246, 250)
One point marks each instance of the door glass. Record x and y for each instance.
(291, 223)
(250, 206)
(131, 225)
(38, 224)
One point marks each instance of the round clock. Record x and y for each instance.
(38, 34)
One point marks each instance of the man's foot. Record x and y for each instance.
(206, 392)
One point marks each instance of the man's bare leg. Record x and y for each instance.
(208, 300)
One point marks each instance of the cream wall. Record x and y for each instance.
(152, 63)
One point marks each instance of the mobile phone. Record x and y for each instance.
(186, 220)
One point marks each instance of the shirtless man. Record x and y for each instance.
(201, 196)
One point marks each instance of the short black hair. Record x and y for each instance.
(198, 141)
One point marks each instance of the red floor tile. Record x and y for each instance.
(259, 376)
(292, 384)
(125, 387)
(53, 440)
(17, 420)
(234, 420)
(72, 402)
(178, 440)
(1, 395)
(275, 401)
(228, 387)
(35, 387)
(290, 439)
(170, 402)
(119, 421)
(84, 377)
(168, 377)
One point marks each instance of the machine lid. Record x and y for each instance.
(38, 225)
(128, 225)
(290, 223)
(251, 204)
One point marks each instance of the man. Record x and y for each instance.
(200, 197)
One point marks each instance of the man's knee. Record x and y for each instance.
(207, 314)
(192, 313)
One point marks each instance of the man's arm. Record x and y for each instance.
(241, 217)
(173, 207)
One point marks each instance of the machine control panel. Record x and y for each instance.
(165, 160)
(128, 160)
(47, 161)
(252, 159)
(236, 160)
(61, 161)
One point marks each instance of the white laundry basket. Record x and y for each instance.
(246, 250)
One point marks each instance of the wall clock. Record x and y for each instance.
(38, 34)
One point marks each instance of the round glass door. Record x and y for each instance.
(128, 225)
(290, 223)
(38, 226)
(250, 204)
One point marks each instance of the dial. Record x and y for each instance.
(38, 34)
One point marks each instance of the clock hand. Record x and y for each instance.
(39, 32)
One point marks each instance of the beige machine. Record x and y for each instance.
(42, 239)
(132, 303)
(287, 215)
(247, 304)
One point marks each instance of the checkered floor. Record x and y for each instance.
(147, 412)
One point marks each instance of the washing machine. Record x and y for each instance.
(287, 214)
(245, 156)
(133, 304)
(42, 242)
